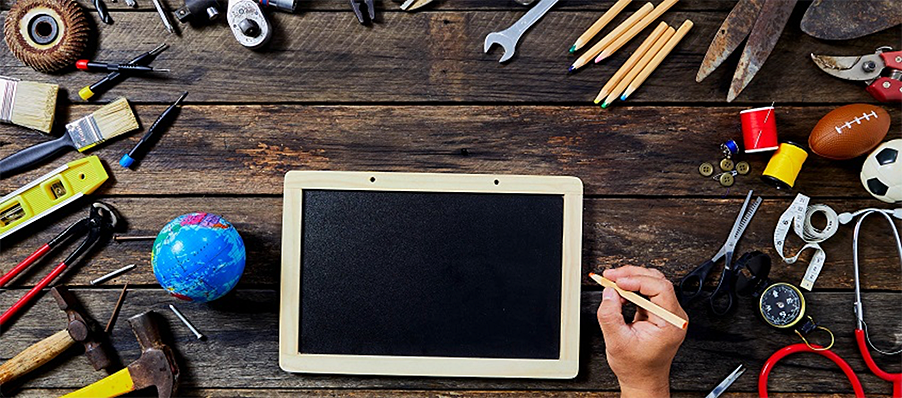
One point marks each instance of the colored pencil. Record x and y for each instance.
(599, 25)
(628, 65)
(642, 302)
(600, 46)
(674, 40)
(638, 27)
(660, 42)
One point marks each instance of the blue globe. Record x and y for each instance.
(198, 257)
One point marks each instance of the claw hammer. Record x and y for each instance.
(81, 329)
(155, 367)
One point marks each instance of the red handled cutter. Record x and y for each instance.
(882, 71)
(99, 223)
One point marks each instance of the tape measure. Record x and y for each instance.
(49, 193)
(798, 216)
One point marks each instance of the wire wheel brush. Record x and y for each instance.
(47, 35)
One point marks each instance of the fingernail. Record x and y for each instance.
(608, 294)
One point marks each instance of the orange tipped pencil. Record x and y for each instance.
(638, 27)
(599, 25)
(603, 43)
(628, 65)
(642, 302)
(680, 33)
(660, 42)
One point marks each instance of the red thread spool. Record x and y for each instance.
(759, 129)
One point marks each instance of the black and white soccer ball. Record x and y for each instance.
(881, 173)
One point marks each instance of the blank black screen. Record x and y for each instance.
(431, 274)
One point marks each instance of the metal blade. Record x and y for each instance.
(732, 32)
(765, 34)
(411, 5)
(865, 67)
(844, 19)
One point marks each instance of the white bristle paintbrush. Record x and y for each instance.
(113, 119)
(28, 104)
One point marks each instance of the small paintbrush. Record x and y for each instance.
(28, 104)
(110, 121)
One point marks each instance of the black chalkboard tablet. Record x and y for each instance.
(453, 275)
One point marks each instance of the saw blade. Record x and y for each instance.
(765, 34)
(844, 19)
(732, 32)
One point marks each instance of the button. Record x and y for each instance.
(726, 179)
(706, 169)
(743, 168)
(726, 165)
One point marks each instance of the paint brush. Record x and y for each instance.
(105, 123)
(642, 302)
(28, 104)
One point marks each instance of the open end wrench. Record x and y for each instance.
(509, 37)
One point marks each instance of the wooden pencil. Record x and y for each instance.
(600, 46)
(599, 25)
(642, 302)
(638, 27)
(660, 42)
(674, 40)
(628, 65)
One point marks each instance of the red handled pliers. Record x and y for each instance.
(99, 224)
(882, 71)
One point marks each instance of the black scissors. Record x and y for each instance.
(721, 300)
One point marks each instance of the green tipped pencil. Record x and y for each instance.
(599, 25)
(659, 57)
(631, 62)
(659, 43)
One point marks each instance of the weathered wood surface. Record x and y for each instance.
(242, 329)
(305, 393)
(625, 151)
(318, 57)
(674, 235)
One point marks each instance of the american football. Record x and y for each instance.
(849, 131)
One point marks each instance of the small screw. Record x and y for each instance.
(185, 321)
(898, 59)
(886, 84)
(869, 66)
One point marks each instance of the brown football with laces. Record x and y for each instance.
(849, 131)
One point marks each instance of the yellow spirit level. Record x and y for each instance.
(49, 193)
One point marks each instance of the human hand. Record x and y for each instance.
(640, 353)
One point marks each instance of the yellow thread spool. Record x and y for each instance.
(785, 165)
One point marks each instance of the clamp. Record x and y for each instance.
(99, 224)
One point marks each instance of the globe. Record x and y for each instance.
(198, 257)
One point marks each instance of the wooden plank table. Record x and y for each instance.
(414, 92)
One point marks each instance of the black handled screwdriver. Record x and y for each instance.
(115, 77)
(141, 147)
(84, 64)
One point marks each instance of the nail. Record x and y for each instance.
(185, 321)
(113, 274)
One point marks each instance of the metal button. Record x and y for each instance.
(726, 165)
(706, 169)
(743, 167)
(726, 179)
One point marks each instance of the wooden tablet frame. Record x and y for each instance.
(291, 360)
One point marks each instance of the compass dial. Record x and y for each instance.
(782, 305)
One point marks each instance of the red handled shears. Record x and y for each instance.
(99, 224)
(881, 70)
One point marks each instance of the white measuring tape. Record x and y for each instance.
(799, 216)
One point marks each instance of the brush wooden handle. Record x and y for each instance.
(31, 156)
(33, 357)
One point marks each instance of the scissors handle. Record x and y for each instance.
(725, 294)
(691, 284)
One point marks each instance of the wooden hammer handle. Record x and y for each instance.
(33, 357)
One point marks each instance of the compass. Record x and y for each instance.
(782, 305)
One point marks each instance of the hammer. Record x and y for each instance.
(155, 367)
(81, 329)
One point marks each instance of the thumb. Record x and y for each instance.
(610, 315)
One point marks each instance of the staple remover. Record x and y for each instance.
(882, 71)
(99, 224)
(370, 8)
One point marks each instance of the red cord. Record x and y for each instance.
(796, 348)
(895, 378)
(31, 293)
(24, 264)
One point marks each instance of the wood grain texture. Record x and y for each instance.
(429, 57)
(625, 151)
(675, 235)
(241, 350)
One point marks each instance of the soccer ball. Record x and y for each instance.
(881, 173)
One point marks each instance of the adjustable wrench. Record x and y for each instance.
(509, 37)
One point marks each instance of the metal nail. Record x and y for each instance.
(185, 321)
(113, 274)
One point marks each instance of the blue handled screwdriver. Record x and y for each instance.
(141, 147)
